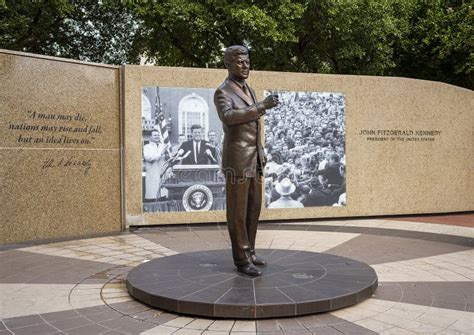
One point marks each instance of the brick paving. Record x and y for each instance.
(425, 268)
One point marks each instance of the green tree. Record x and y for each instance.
(437, 42)
(33, 27)
(426, 39)
(84, 30)
(350, 37)
(194, 32)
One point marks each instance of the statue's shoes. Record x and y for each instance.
(249, 270)
(256, 260)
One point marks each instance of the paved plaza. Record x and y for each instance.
(425, 267)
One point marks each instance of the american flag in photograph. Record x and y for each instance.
(160, 120)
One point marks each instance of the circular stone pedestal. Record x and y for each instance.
(206, 283)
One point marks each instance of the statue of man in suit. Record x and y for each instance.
(243, 158)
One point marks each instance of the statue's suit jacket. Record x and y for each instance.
(239, 113)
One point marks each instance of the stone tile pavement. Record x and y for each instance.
(425, 270)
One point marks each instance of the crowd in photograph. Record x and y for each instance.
(305, 147)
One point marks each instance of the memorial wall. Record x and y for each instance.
(338, 146)
(60, 148)
(403, 146)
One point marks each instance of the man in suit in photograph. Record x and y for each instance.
(197, 151)
(243, 158)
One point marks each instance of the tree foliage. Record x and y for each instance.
(193, 33)
(352, 37)
(427, 39)
(437, 42)
(91, 31)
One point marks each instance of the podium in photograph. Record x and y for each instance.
(195, 188)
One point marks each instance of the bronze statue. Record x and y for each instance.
(243, 158)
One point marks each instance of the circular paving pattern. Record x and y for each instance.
(206, 283)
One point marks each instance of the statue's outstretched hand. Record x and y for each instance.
(270, 101)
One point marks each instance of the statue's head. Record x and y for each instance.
(237, 62)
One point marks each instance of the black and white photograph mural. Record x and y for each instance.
(305, 147)
(182, 149)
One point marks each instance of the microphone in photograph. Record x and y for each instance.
(187, 154)
(179, 154)
(209, 153)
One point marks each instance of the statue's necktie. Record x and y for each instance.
(246, 90)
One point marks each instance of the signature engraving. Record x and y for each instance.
(68, 162)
